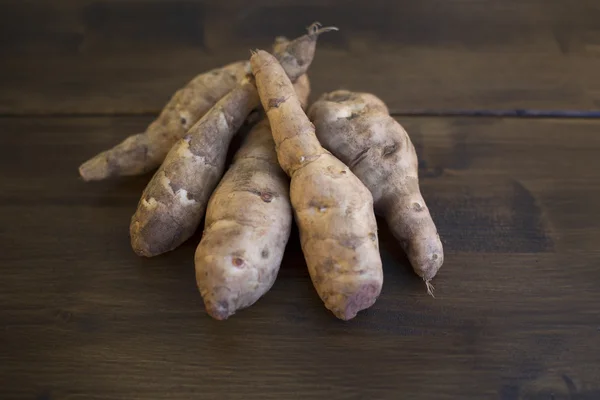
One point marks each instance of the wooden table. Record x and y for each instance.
(500, 99)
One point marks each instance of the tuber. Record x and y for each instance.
(357, 128)
(173, 203)
(248, 224)
(332, 207)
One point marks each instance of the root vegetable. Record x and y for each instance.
(332, 207)
(296, 56)
(357, 128)
(145, 151)
(174, 201)
(247, 227)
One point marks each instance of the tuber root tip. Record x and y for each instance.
(316, 29)
(218, 311)
(94, 169)
(83, 173)
(430, 289)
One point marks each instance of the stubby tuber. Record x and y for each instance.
(248, 224)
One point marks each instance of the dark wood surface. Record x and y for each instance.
(516, 200)
(106, 56)
(516, 314)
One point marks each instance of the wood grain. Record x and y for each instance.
(516, 314)
(431, 56)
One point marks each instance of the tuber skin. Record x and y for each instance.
(332, 207)
(174, 201)
(247, 227)
(145, 151)
(297, 55)
(357, 128)
(248, 224)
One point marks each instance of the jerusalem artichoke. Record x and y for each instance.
(174, 201)
(332, 207)
(357, 128)
(247, 227)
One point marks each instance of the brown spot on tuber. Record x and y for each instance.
(417, 207)
(183, 121)
(343, 172)
(352, 116)
(174, 187)
(274, 103)
(266, 197)
(237, 261)
(265, 253)
(372, 236)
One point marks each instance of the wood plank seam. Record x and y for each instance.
(508, 113)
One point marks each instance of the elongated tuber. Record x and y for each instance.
(332, 207)
(357, 128)
(145, 151)
(174, 201)
(248, 224)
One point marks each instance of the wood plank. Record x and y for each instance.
(516, 314)
(104, 56)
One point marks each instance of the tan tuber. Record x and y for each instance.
(248, 224)
(332, 208)
(357, 128)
